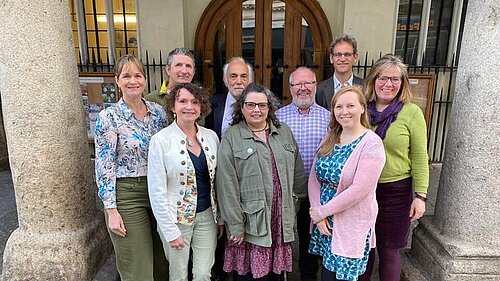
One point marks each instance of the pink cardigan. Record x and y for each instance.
(354, 208)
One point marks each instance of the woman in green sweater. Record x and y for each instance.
(402, 187)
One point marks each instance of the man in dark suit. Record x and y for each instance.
(237, 74)
(343, 55)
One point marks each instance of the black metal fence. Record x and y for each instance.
(444, 90)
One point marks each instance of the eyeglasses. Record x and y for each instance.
(340, 54)
(303, 84)
(251, 105)
(394, 80)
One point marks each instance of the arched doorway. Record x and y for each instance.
(274, 36)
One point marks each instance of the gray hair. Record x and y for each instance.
(290, 79)
(179, 51)
(233, 59)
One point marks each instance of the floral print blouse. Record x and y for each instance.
(121, 145)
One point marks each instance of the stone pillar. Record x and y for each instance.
(61, 234)
(461, 241)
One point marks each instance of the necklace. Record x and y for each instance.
(258, 131)
(189, 143)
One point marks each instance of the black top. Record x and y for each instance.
(202, 181)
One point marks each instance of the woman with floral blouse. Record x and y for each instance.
(122, 137)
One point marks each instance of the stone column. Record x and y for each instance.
(462, 240)
(61, 234)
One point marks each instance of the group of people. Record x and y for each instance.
(346, 162)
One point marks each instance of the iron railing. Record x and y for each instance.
(444, 89)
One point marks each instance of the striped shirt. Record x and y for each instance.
(308, 129)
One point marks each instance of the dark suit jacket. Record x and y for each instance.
(214, 119)
(324, 92)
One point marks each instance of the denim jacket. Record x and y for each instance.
(245, 184)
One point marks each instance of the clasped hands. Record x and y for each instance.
(323, 225)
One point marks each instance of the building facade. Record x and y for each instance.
(276, 37)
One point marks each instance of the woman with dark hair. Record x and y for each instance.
(181, 184)
(259, 179)
(342, 187)
(122, 135)
(401, 126)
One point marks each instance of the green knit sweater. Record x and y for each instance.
(406, 149)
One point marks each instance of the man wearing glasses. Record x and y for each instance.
(309, 123)
(237, 74)
(343, 55)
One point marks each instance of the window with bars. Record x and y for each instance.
(437, 41)
(99, 39)
(438, 36)
(407, 30)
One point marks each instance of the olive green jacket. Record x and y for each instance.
(158, 96)
(245, 185)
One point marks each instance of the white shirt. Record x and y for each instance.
(228, 113)
(337, 85)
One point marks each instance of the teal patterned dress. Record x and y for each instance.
(328, 171)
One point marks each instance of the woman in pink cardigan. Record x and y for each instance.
(342, 187)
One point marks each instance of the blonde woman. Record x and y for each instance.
(122, 137)
(342, 189)
(402, 188)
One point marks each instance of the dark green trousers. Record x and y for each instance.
(139, 255)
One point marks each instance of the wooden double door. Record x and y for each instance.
(275, 37)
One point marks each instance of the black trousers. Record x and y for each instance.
(308, 263)
(327, 275)
(217, 269)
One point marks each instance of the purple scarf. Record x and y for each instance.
(384, 119)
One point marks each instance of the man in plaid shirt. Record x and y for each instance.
(309, 124)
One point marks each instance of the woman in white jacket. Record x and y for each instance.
(181, 177)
